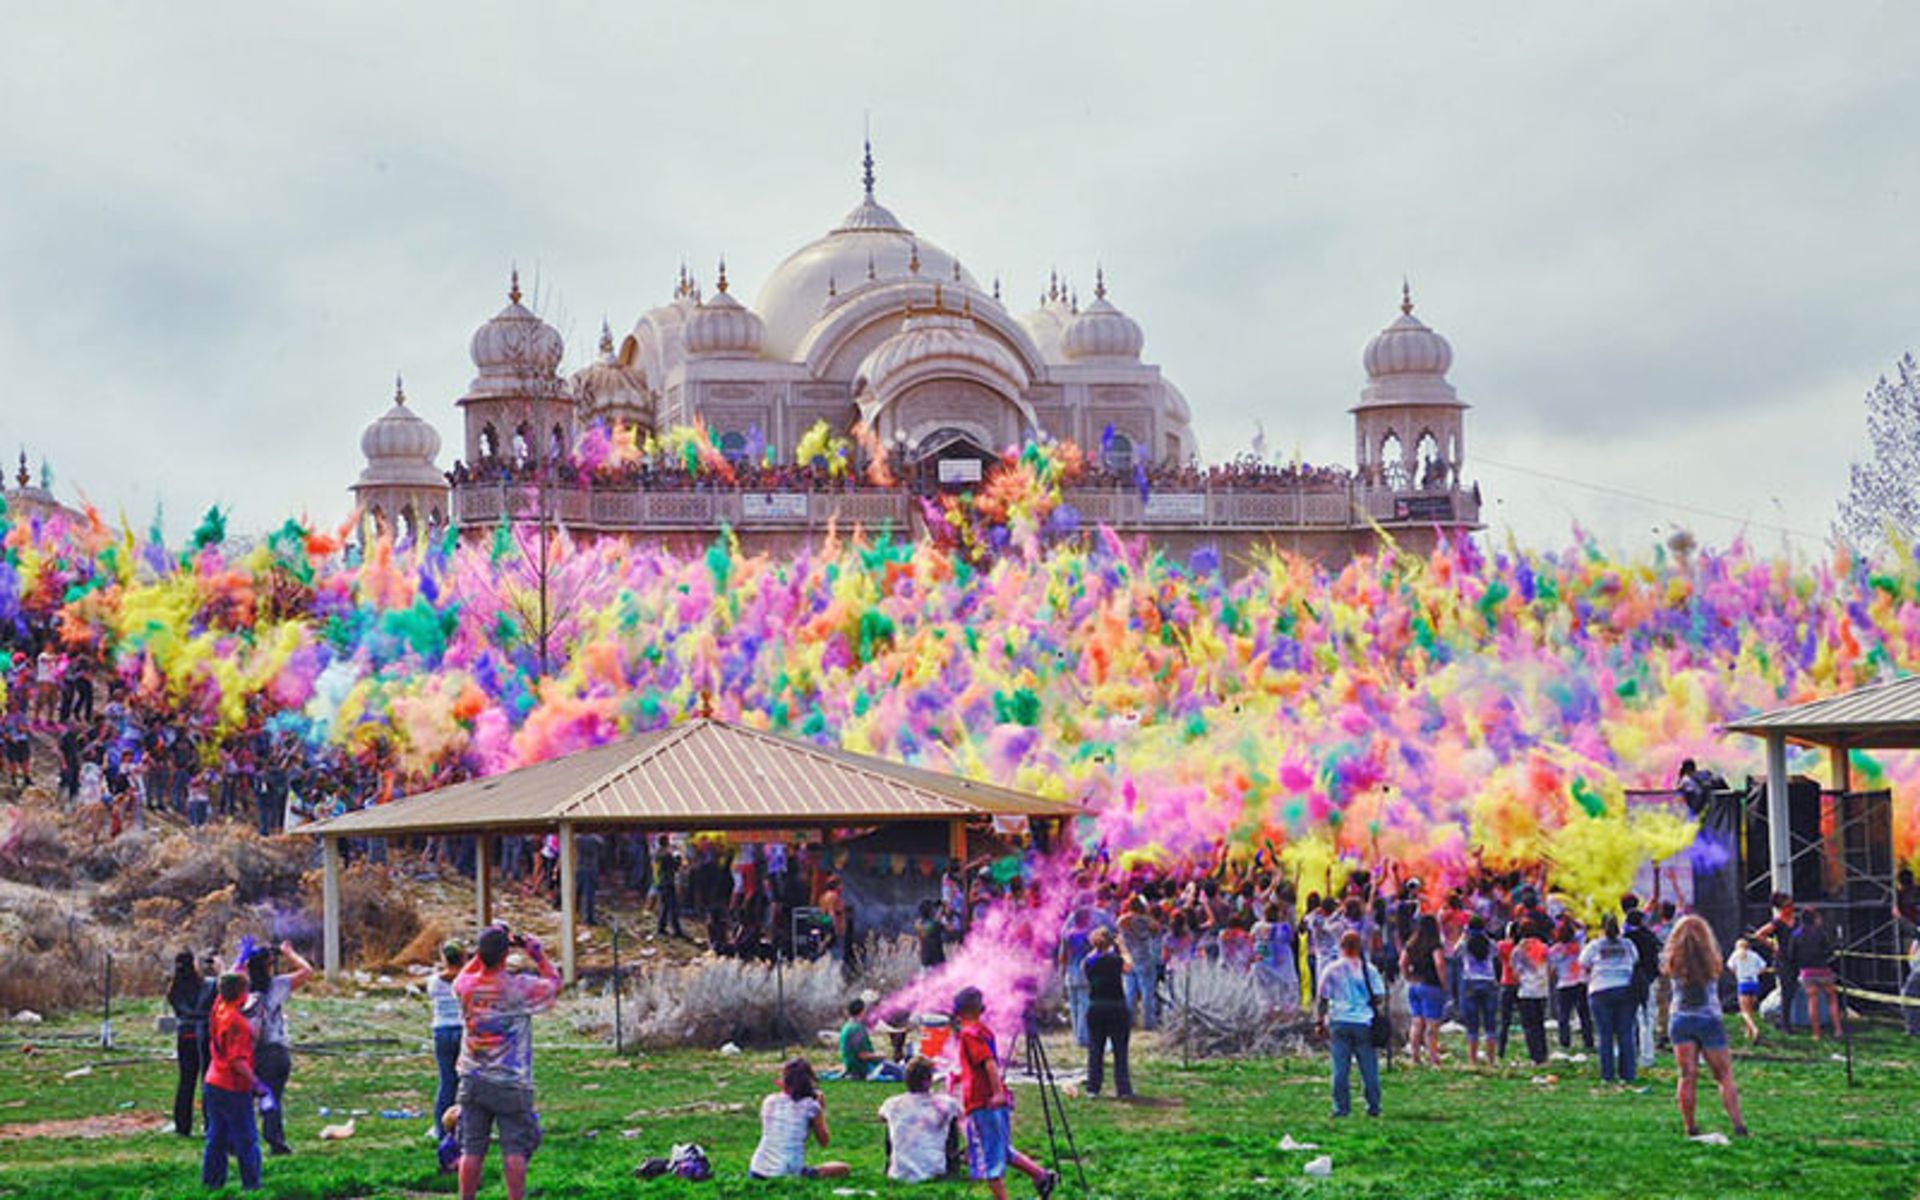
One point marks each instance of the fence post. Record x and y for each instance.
(618, 1045)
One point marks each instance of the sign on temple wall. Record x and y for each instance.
(1175, 506)
(959, 470)
(779, 506)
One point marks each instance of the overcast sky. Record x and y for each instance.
(1672, 245)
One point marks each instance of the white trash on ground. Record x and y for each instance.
(1287, 1143)
(1320, 1167)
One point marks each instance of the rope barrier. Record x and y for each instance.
(1870, 954)
(1881, 997)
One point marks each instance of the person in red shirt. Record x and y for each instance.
(989, 1105)
(230, 1090)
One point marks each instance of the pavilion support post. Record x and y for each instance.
(957, 841)
(1840, 765)
(483, 879)
(330, 906)
(568, 902)
(1779, 830)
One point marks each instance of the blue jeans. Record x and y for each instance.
(1077, 1005)
(1616, 1028)
(197, 813)
(1143, 996)
(446, 1054)
(230, 1129)
(1352, 1040)
(1479, 1001)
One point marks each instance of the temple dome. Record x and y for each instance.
(400, 447)
(1101, 330)
(608, 385)
(870, 244)
(722, 327)
(1407, 347)
(929, 337)
(516, 346)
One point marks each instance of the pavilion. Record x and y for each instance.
(695, 776)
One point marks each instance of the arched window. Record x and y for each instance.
(1393, 470)
(733, 444)
(1426, 457)
(409, 529)
(489, 441)
(523, 444)
(1119, 453)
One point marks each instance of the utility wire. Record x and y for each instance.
(1654, 501)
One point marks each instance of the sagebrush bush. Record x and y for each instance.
(50, 956)
(378, 919)
(1217, 1011)
(713, 1000)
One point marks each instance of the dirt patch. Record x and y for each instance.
(89, 1128)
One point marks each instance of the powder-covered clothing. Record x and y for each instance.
(1530, 969)
(1344, 986)
(1564, 957)
(268, 1012)
(230, 1049)
(917, 1124)
(784, 1123)
(1746, 966)
(1609, 963)
(446, 1005)
(1478, 970)
(977, 1049)
(1695, 1000)
(499, 1008)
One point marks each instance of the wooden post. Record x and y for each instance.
(1779, 840)
(1840, 765)
(568, 903)
(330, 906)
(957, 841)
(483, 879)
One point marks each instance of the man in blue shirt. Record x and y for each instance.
(1348, 989)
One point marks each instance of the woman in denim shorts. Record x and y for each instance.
(1424, 963)
(1695, 1026)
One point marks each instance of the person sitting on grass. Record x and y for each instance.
(787, 1118)
(1695, 1027)
(989, 1105)
(857, 1055)
(920, 1127)
(230, 1090)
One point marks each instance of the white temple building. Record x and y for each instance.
(872, 325)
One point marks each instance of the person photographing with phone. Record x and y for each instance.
(496, 1056)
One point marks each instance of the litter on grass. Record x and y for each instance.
(1320, 1167)
(1710, 1139)
(1288, 1144)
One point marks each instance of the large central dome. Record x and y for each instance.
(869, 243)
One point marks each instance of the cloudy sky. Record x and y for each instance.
(1672, 245)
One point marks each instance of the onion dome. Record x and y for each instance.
(1101, 330)
(400, 447)
(515, 347)
(1407, 347)
(1047, 324)
(933, 338)
(723, 327)
(607, 385)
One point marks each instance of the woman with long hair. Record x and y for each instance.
(1424, 963)
(449, 1026)
(190, 995)
(1479, 962)
(1695, 1025)
(266, 1011)
(787, 1118)
(1813, 957)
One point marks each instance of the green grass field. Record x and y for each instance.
(1211, 1130)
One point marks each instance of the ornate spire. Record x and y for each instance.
(866, 170)
(870, 274)
(680, 285)
(996, 289)
(606, 337)
(23, 478)
(1053, 284)
(513, 286)
(1099, 283)
(833, 286)
(399, 389)
(1073, 302)
(939, 303)
(1406, 296)
(913, 256)
(956, 270)
(721, 283)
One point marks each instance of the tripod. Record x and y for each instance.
(1052, 1109)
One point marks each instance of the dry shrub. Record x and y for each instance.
(33, 849)
(115, 857)
(423, 949)
(378, 918)
(712, 1001)
(50, 957)
(186, 867)
(1222, 1011)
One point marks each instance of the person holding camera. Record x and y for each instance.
(496, 1056)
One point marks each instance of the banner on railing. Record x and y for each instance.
(773, 506)
(1176, 506)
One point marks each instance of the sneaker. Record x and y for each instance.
(1043, 1187)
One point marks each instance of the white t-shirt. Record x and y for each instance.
(917, 1122)
(784, 1123)
(446, 1005)
(1746, 966)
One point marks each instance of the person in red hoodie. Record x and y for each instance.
(230, 1090)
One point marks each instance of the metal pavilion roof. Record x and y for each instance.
(1881, 716)
(703, 774)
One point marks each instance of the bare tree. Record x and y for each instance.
(1883, 494)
